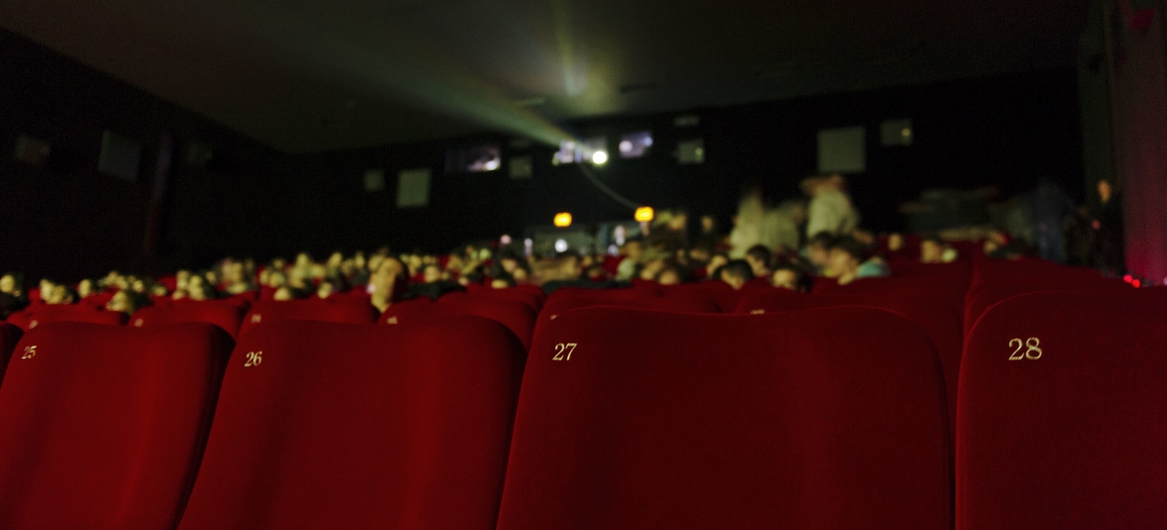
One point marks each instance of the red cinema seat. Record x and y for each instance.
(936, 318)
(9, 336)
(1060, 415)
(339, 426)
(631, 420)
(226, 316)
(527, 294)
(344, 310)
(517, 317)
(676, 302)
(38, 315)
(953, 293)
(103, 426)
(98, 300)
(237, 301)
(989, 270)
(984, 295)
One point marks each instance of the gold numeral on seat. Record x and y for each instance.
(29, 352)
(1031, 346)
(253, 358)
(563, 351)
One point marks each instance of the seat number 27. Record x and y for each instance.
(1030, 349)
(563, 351)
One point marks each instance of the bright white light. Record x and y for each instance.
(599, 158)
(505, 239)
(648, 141)
(621, 234)
(625, 146)
(561, 245)
(528, 247)
(492, 165)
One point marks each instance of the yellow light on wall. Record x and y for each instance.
(563, 219)
(644, 214)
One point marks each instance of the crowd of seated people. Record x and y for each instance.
(789, 246)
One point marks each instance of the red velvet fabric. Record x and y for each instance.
(352, 426)
(676, 302)
(98, 300)
(37, 315)
(948, 289)
(103, 427)
(666, 420)
(224, 315)
(936, 318)
(346, 310)
(517, 317)
(525, 294)
(983, 295)
(1072, 439)
(9, 336)
(726, 298)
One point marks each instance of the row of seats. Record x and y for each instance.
(803, 411)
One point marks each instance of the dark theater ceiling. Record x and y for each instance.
(309, 76)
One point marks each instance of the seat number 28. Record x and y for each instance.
(1029, 349)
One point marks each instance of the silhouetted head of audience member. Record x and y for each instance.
(431, 273)
(60, 294)
(328, 288)
(758, 256)
(846, 255)
(86, 288)
(502, 280)
(818, 249)
(1105, 191)
(199, 289)
(672, 274)
(736, 273)
(790, 276)
(127, 302)
(389, 282)
(936, 250)
(895, 242)
(12, 283)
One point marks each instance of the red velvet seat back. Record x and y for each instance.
(323, 425)
(38, 315)
(983, 295)
(629, 419)
(9, 336)
(937, 319)
(527, 294)
(674, 303)
(951, 290)
(102, 427)
(726, 298)
(345, 310)
(226, 316)
(1061, 414)
(517, 317)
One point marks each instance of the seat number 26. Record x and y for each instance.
(1029, 349)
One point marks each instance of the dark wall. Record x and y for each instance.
(66, 220)
(1007, 131)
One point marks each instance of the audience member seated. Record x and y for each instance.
(127, 302)
(847, 262)
(758, 256)
(737, 273)
(936, 250)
